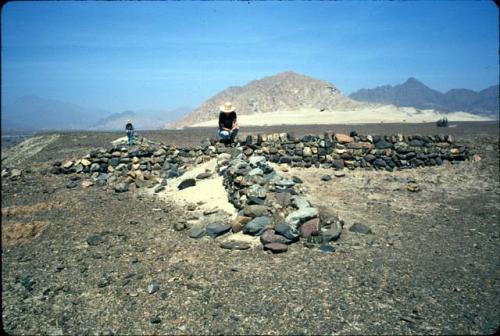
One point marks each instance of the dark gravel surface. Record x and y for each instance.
(431, 265)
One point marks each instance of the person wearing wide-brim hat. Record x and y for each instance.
(228, 125)
(130, 131)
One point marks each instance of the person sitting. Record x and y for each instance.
(228, 125)
(130, 132)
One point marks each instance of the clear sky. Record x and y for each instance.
(131, 55)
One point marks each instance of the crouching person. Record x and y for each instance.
(228, 125)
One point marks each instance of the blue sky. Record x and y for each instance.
(162, 55)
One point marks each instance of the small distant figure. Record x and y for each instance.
(130, 132)
(228, 125)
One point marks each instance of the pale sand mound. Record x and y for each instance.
(364, 115)
(120, 140)
(254, 241)
(210, 191)
(28, 148)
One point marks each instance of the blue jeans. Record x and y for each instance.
(228, 135)
(130, 135)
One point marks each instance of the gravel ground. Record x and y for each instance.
(430, 266)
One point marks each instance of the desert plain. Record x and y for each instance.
(89, 260)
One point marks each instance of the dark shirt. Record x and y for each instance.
(226, 119)
(129, 127)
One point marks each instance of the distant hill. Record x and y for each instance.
(33, 112)
(141, 119)
(414, 93)
(286, 91)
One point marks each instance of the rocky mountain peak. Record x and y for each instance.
(285, 91)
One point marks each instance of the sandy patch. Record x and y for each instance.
(208, 193)
(14, 233)
(122, 140)
(28, 148)
(254, 241)
(28, 209)
(364, 115)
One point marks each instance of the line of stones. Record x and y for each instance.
(270, 206)
(330, 150)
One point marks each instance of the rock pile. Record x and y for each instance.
(150, 163)
(269, 206)
(337, 151)
(140, 166)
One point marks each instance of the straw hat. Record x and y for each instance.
(227, 107)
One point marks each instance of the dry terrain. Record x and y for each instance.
(80, 260)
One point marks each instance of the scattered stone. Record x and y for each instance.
(204, 175)
(239, 222)
(153, 287)
(276, 247)
(413, 187)
(327, 248)
(257, 225)
(155, 319)
(326, 178)
(210, 211)
(269, 236)
(159, 188)
(286, 231)
(360, 228)
(339, 173)
(86, 184)
(256, 190)
(197, 231)
(15, 173)
(300, 202)
(217, 229)
(179, 225)
(255, 210)
(71, 184)
(235, 245)
(297, 179)
(343, 138)
(332, 233)
(187, 183)
(309, 228)
(94, 240)
(301, 215)
(121, 187)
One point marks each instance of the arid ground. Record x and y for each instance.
(79, 260)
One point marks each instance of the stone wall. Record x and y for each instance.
(151, 163)
(352, 151)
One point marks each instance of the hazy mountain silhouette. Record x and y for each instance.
(141, 119)
(416, 94)
(33, 112)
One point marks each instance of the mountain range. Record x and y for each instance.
(141, 119)
(286, 91)
(287, 97)
(35, 113)
(416, 94)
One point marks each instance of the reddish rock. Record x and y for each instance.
(270, 236)
(309, 228)
(276, 247)
(239, 223)
(343, 138)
